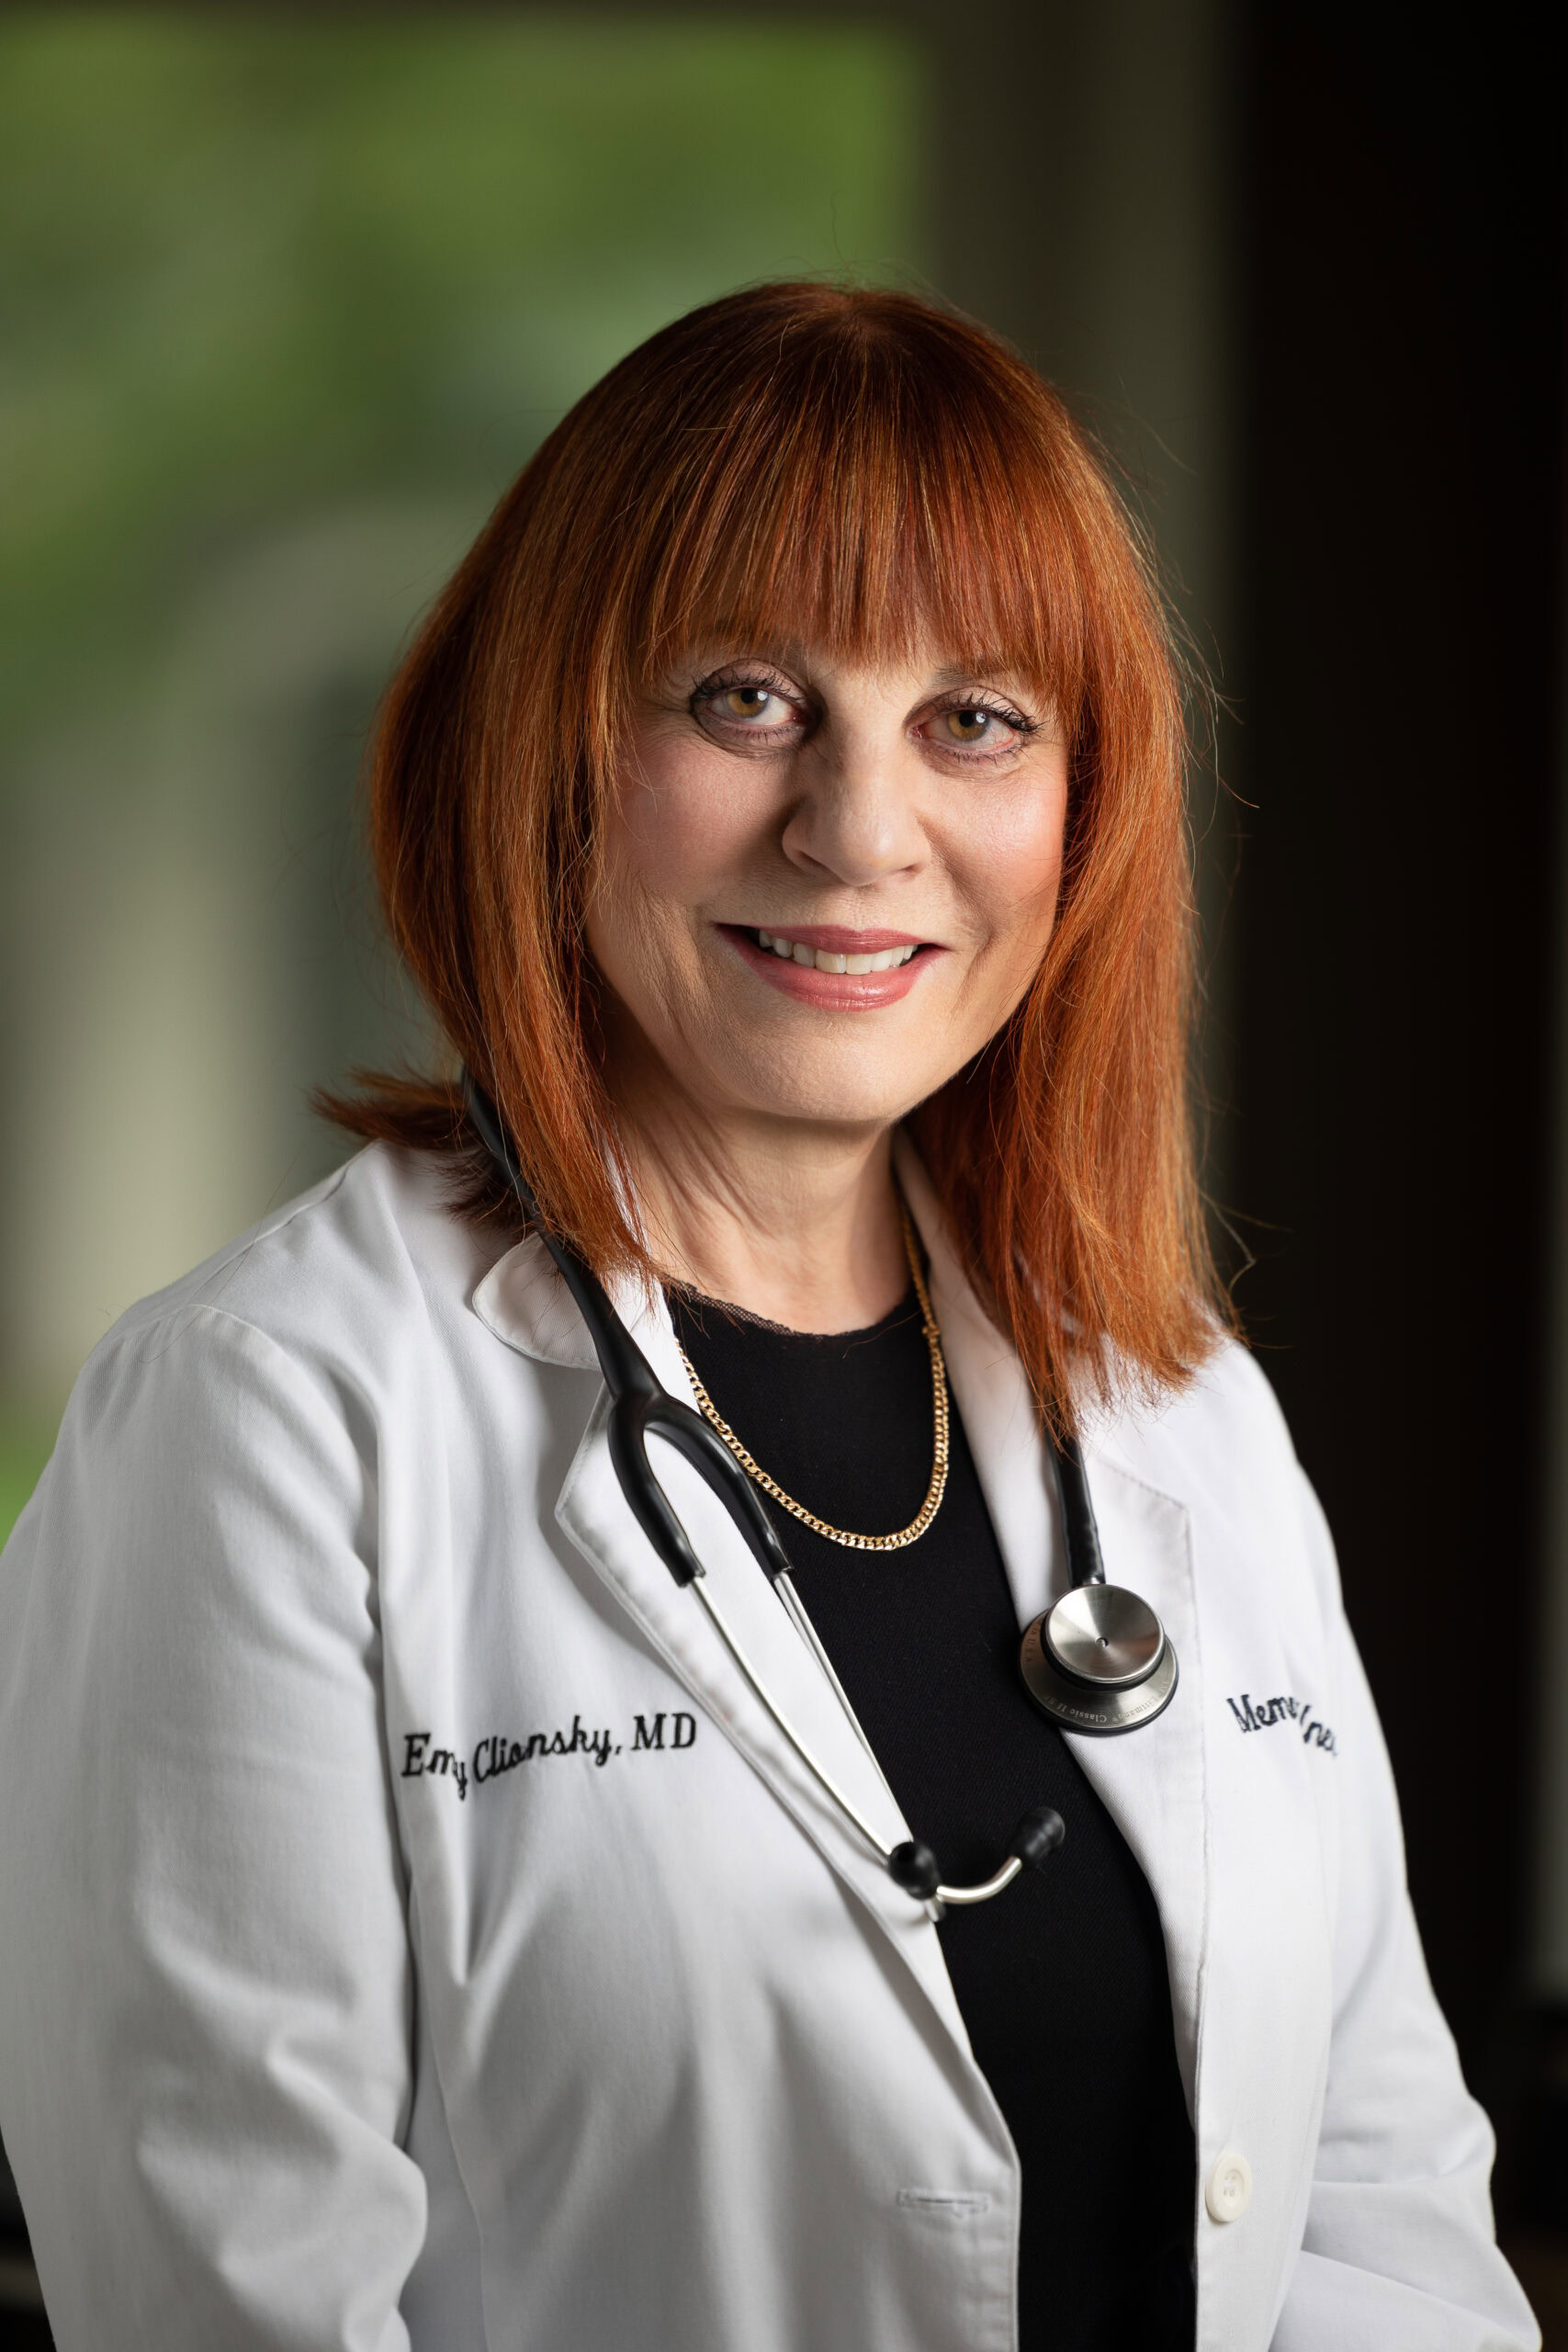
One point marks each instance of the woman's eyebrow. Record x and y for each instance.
(969, 673)
(739, 648)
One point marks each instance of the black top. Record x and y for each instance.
(1062, 1980)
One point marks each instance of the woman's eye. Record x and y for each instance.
(975, 726)
(752, 703)
(749, 706)
(739, 706)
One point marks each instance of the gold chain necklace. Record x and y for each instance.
(938, 1486)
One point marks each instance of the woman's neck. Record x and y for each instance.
(796, 1222)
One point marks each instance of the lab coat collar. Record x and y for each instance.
(1151, 1780)
(524, 1301)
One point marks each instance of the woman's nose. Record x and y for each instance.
(856, 819)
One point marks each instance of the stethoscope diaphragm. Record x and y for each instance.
(1098, 1661)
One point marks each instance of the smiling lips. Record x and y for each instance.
(839, 970)
(824, 959)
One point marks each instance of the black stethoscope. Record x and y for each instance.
(1099, 1661)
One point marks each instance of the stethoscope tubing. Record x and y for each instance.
(641, 1408)
(942, 1894)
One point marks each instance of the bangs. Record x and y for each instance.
(869, 489)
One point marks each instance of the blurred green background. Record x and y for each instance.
(285, 305)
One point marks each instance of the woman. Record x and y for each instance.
(419, 1929)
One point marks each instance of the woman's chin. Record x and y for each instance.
(829, 1097)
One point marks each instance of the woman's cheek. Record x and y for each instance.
(1012, 852)
(688, 824)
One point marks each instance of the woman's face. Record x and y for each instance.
(826, 887)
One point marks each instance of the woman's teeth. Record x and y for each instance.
(795, 950)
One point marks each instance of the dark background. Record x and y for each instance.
(1398, 914)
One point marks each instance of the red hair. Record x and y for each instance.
(859, 470)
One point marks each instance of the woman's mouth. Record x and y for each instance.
(824, 959)
(828, 966)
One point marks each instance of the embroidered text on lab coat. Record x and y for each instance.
(500, 1754)
(1286, 1709)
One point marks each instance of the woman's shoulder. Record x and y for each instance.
(1225, 1419)
(370, 1238)
(1220, 1446)
(340, 1281)
(278, 1369)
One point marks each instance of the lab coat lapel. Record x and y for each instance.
(525, 1303)
(1151, 1780)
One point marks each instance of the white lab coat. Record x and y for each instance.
(414, 1932)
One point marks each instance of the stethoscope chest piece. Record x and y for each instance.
(1098, 1661)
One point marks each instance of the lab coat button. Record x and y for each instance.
(1229, 2191)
